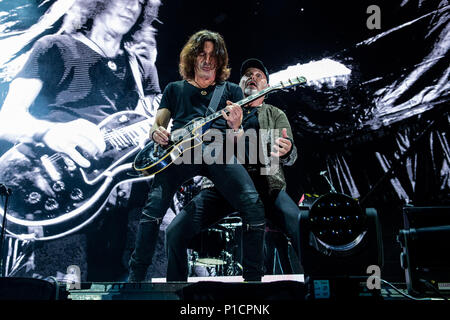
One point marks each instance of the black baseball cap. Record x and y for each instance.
(254, 63)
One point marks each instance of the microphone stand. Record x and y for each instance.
(332, 189)
(5, 192)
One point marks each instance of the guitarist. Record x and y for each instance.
(73, 80)
(209, 206)
(203, 67)
(76, 78)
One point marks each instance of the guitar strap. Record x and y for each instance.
(212, 107)
(218, 92)
(138, 79)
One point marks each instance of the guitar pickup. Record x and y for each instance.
(50, 168)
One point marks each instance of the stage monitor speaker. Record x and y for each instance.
(30, 289)
(425, 255)
(244, 292)
(338, 242)
(185, 291)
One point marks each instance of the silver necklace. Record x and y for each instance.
(111, 64)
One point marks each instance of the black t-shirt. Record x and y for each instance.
(78, 83)
(250, 124)
(185, 102)
(250, 118)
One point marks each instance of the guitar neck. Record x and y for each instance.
(281, 85)
(140, 127)
(127, 136)
(241, 103)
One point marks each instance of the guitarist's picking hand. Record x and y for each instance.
(65, 137)
(234, 117)
(161, 136)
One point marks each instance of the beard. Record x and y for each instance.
(248, 91)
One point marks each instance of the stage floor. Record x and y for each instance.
(159, 289)
(272, 287)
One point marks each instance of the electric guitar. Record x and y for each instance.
(52, 196)
(154, 158)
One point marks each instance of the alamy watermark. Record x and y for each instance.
(374, 280)
(252, 147)
(374, 20)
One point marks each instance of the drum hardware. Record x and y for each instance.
(308, 199)
(216, 249)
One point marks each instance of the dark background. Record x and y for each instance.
(281, 33)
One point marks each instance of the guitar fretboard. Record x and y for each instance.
(243, 102)
(127, 136)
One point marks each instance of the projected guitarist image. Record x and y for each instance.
(79, 106)
(204, 69)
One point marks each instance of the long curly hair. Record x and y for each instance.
(79, 18)
(194, 46)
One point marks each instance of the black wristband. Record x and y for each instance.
(152, 135)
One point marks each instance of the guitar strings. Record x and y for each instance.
(113, 136)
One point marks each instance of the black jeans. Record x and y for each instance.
(233, 183)
(209, 207)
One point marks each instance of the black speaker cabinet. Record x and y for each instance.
(425, 255)
(30, 289)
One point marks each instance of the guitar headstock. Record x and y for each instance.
(292, 82)
(316, 72)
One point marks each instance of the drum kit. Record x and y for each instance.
(216, 251)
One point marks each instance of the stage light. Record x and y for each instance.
(339, 240)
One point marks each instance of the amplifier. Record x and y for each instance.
(425, 255)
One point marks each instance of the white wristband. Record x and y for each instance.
(238, 130)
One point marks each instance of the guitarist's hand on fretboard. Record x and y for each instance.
(65, 137)
(234, 117)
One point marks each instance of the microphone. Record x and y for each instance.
(4, 190)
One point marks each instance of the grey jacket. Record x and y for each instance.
(272, 120)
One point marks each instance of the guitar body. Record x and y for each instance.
(154, 158)
(52, 194)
